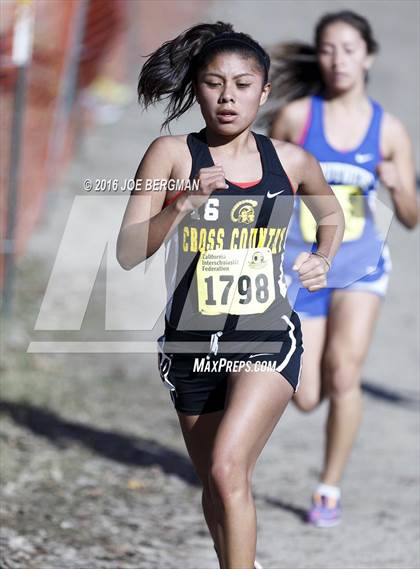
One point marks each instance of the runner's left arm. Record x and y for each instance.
(322, 203)
(397, 172)
(306, 175)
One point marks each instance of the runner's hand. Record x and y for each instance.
(312, 271)
(388, 174)
(210, 179)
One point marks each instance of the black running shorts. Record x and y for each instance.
(196, 372)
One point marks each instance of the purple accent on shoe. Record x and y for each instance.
(321, 514)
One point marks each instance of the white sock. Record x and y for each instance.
(329, 491)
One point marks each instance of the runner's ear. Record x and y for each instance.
(195, 90)
(367, 64)
(264, 94)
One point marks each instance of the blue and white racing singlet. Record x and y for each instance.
(353, 178)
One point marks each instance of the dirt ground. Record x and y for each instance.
(94, 470)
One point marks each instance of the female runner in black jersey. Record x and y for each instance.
(232, 346)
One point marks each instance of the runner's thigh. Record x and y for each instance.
(199, 432)
(255, 403)
(314, 334)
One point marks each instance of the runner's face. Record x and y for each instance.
(343, 57)
(230, 82)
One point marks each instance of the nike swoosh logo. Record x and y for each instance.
(265, 354)
(362, 158)
(270, 195)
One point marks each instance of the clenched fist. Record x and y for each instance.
(210, 179)
(312, 270)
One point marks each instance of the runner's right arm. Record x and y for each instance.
(146, 222)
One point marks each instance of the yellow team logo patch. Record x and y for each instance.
(244, 211)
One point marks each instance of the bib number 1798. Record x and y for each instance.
(246, 289)
(235, 281)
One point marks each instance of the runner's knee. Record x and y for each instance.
(342, 373)
(306, 402)
(229, 478)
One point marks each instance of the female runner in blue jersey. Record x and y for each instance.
(224, 264)
(330, 114)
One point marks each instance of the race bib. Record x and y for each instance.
(352, 202)
(235, 281)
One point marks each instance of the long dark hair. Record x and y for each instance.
(295, 70)
(170, 71)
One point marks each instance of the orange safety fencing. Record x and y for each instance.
(75, 41)
(70, 40)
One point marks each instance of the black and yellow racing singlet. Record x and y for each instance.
(224, 261)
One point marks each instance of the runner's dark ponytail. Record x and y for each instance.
(170, 71)
(295, 70)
